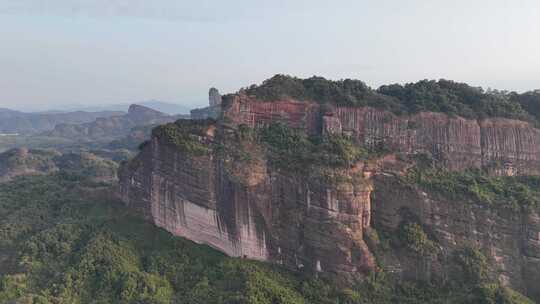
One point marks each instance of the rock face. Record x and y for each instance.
(264, 214)
(214, 97)
(503, 146)
(255, 211)
(510, 239)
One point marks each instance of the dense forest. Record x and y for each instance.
(445, 96)
(65, 239)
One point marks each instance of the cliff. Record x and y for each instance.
(510, 240)
(249, 209)
(503, 146)
(216, 185)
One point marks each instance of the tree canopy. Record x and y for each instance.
(446, 96)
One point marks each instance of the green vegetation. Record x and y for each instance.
(87, 165)
(136, 135)
(530, 101)
(59, 247)
(185, 134)
(62, 240)
(412, 236)
(10, 142)
(343, 92)
(453, 98)
(474, 265)
(293, 150)
(495, 294)
(507, 192)
(42, 159)
(476, 275)
(444, 96)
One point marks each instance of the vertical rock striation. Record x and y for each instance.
(266, 215)
(503, 146)
(510, 239)
(256, 211)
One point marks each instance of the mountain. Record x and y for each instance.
(299, 191)
(32, 123)
(111, 128)
(431, 184)
(165, 107)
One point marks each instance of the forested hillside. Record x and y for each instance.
(64, 239)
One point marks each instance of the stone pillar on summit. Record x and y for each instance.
(214, 97)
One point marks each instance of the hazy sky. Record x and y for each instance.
(90, 52)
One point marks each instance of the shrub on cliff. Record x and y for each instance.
(474, 265)
(412, 236)
(512, 193)
(292, 149)
(497, 294)
(185, 134)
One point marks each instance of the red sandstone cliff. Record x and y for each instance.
(257, 212)
(253, 210)
(504, 146)
(511, 240)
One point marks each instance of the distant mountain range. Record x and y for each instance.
(165, 107)
(111, 128)
(31, 123)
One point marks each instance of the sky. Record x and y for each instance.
(65, 53)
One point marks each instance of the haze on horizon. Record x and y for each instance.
(91, 52)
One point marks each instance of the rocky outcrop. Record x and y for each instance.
(214, 108)
(242, 109)
(503, 146)
(258, 213)
(214, 97)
